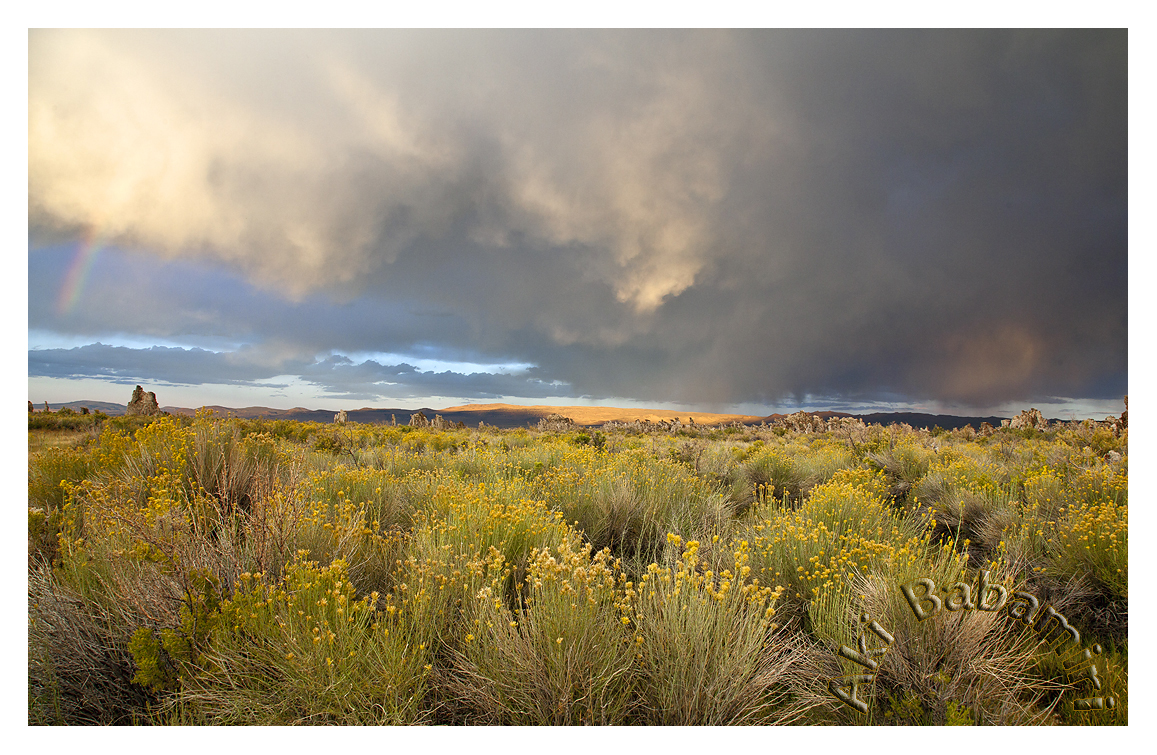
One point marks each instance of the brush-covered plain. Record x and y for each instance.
(226, 571)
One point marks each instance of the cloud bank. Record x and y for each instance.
(700, 216)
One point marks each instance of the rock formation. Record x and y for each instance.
(852, 429)
(1120, 424)
(556, 423)
(31, 408)
(419, 420)
(1029, 418)
(143, 404)
(441, 423)
(340, 417)
(803, 422)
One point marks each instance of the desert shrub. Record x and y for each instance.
(179, 499)
(203, 458)
(52, 473)
(130, 424)
(597, 440)
(389, 499)
(305, 650)
(564, 657)
(967, 666)
(954, 470)
(529, 461)
(905, 463)
(164, 658)
(1113, 673)
(688, 452)
(703, 643)
(44, 535)
(475, 462)
(1100, 440)
(844, 528)
(396, 460)
(906, 460)
(290, 430)
(721, 465)
(66, 419)
(771, 475)
(356, 516)
(471, 536)
(629, 501)
(786, 474)
(822, 460)
(49, 468)
(974, 523)
(1070, 538)
(1094, 538)
(518, 438)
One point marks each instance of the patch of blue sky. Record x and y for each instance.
(434, 364)
(50, 339)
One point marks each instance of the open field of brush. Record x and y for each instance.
(231, 571)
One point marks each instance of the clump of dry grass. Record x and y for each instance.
(979, 661)
(79, 667)
(963, 666)
(904, 462)
(628, 501)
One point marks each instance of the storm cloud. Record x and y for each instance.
(709, 217)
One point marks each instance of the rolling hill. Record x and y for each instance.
(512, 415)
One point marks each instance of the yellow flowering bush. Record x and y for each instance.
(703, 641)
(563, 657)
(307, 650)
(845, 528)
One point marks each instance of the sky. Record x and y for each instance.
(747, 220)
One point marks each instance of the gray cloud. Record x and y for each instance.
(699, 216)
(159, 363)
(311, 160)
(335, 377)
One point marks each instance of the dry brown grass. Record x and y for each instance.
(40, 440)
(980, 661)
(79, 668)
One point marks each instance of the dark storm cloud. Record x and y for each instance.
(699, 216)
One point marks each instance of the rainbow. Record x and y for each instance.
(77, 274)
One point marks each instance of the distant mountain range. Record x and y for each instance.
(510, 416)
(113, 410)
